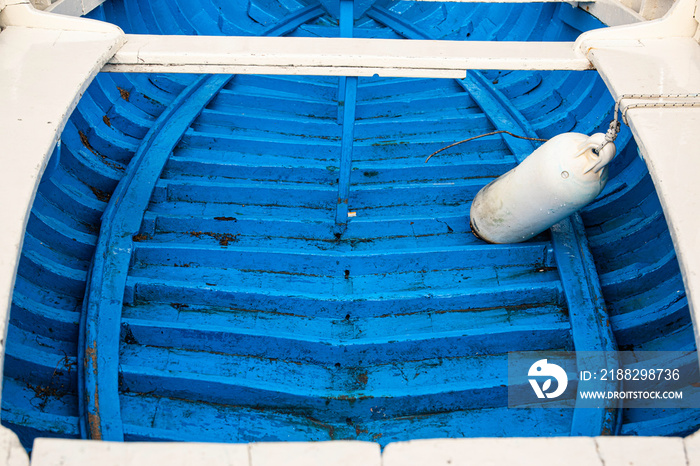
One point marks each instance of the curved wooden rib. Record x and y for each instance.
(101, 316)
(589, 320)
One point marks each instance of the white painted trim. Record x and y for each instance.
(678, 22)
(51, 452)
(46, 63)
(74, 7)
(4, 3)
(572, 451)
(612, 12)
(24, 15)
(11, 451)
(337, 56)
(661, 57)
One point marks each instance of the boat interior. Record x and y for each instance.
(246, 258)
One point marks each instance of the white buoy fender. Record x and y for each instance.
(556, 180)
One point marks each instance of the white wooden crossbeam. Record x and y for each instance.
(337, 56)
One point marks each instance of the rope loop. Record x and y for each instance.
(614, 128)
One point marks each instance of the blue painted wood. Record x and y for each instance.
(326, 342)
(506, 118)
(65, 233)
(29, 312)
(290, 22)
(248, 425)
(55, 420)
(347, 87)
(396, 22)
(330, 263)
(52, 164)
(121, 221)
(355, 8)
(103, 302)
(346, 20)
(345, 29)
(308, 301)
(346, 150)
(231, 273)
(589, 320)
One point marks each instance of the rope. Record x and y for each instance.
(481, 136)
(614, 128)
(658, 104)
(610, 135)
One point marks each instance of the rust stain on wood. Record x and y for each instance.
(362, 378)
(99, 194)
(124, 93)
(86, 143)
(94, 426)
(223, 238)
(141, 237)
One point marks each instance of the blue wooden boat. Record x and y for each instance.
(256, 258)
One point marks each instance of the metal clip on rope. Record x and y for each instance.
(611, 135)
